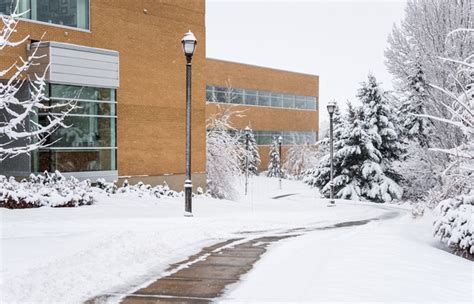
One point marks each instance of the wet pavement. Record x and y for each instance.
(204, 277)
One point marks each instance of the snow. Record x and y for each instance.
(69, 255)
(395, 260)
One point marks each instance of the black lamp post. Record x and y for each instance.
(247, 138)
(189, 46)
(280, 140)
(331, 108)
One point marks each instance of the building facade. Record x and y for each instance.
(272, 102)
(122, 62)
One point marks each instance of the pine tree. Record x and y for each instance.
(416, 128)
(252, 154)
(274, 169)
(379, 119)
(358, 173)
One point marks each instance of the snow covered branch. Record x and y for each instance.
(20, 129)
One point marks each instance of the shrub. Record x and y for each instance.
(454, 225)
(52, 190)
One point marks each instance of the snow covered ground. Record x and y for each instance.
(383, 261)
(72, 254)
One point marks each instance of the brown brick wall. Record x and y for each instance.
(265, 79)
(151, 97)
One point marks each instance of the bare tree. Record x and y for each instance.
(418, 42)
(459, 174)
(20, 130)
(223, 150)
(300, 158)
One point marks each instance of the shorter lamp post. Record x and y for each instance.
(280, 140)
(331, 108)
(247, 138)
(189, 46)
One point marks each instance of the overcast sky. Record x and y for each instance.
(341, 41)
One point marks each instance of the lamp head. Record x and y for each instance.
(331, 107)
(247, 131)
(189, 44)
(280, 139)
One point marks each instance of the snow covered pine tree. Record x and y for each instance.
(380, 125)
(274, 169)
(252, 153)
(415, 128)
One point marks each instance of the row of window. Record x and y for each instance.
(260, 98)
(89, 143)
(288, 137)
(74, 13)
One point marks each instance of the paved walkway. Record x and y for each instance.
(204, 277)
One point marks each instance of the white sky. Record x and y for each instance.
(341, 41)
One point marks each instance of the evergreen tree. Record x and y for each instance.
(379, 120)
(274, 169)
(416, 128)
(252, 154)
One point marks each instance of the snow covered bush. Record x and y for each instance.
(52, 190)
(140, 189)
(223, 154)
(20, 131)
(420, 170)
(300, 158)
(454, 225)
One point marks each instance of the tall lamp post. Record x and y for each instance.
(189, 46)
(247, 138)
(331, 108)
(280, 140)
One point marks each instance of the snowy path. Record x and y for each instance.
(203, 277)
(383, 261)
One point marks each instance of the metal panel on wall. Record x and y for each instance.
(79, 65)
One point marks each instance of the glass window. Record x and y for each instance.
(89, 142)
(276, 100)
(85, 93)
(84, 108)
(84, 132)
(263, 99)
(260, 98)
(75, 160)
(250, 97)
(238, 98)
(210, 96)
(310, 103)
(210, 93)
(288, 101)
(74, 13)
(300, 102)
(221, 96)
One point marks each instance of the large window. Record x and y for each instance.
(289, 137)
(89, 143)
(260, 98)
(73, 13)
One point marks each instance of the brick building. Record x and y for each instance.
(122, 61)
